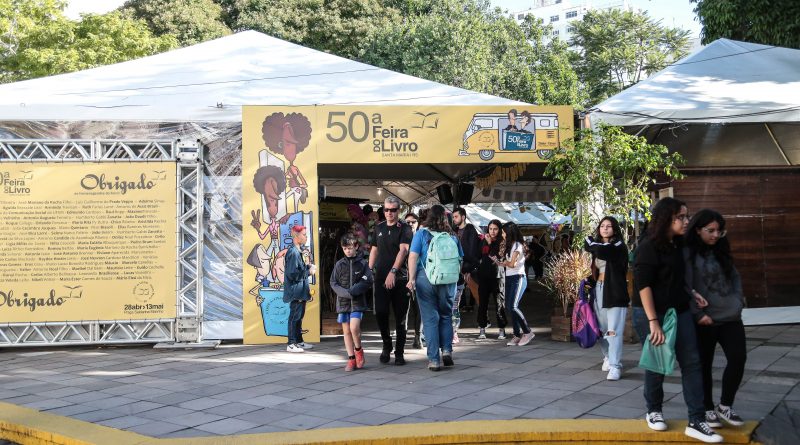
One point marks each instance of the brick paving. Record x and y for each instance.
(237, 389)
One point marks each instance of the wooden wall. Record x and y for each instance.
(762, 211)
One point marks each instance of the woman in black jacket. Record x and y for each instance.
(717, 309)
(660, 280)
(488, 283)
(610, 261)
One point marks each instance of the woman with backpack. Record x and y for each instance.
(437, 254)
(516, 282)
(609, 270)
(717, 308)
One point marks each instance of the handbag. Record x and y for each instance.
(661, 359)
(585, 327)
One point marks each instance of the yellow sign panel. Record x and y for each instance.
(282, 146)
(87, 241)
(436, 134)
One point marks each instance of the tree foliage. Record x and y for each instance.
(469, 45)
(189, 21)
(608, 172)
(616, 49)
(38, 40)
(775, 22)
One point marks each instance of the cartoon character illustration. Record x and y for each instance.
(259, 258)
(270, 182)
(289, 135)
(512, 132)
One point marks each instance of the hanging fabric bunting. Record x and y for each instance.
(501, 174)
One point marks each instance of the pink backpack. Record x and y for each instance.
(585, 328)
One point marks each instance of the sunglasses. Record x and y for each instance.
(391, 210)
(411, 221)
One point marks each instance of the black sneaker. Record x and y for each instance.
(399, 360)
(728, 415)
(447, 360)
(701, 431)
(712, 419)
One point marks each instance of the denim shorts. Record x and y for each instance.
(346, 316)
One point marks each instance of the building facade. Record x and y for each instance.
(561, 13)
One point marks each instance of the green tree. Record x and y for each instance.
(608, 172)
(469, 45)
(776, 22)
(38, 40)
(189, 21)
(616, 49)
(336, 26)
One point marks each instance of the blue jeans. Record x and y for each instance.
(297, 309)
(436, 309)
(610, 319)
(515, 287)
(688, 356)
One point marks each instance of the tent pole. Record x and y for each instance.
(775, 141)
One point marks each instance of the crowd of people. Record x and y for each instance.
(426, 261)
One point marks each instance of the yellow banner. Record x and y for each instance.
(436, 134)
(87, 241)
(279, 190)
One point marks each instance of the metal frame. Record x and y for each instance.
(189, 298)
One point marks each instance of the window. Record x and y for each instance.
(571, 14)
(555, 33)
(553, 18)
(558, 1)
(570, 29)
(520, 16)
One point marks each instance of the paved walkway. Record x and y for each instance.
(246, 389)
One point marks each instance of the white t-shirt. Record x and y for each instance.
(520, 269)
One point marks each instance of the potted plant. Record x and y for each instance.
(562, 276)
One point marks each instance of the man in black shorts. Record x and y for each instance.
(387, 258)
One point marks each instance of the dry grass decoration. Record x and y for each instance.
(563, 274)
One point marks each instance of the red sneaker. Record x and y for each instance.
(351, 365)
(360, 359)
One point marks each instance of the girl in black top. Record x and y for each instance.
(488, 283)
(717, 309)
(610, 269)
(659, 278)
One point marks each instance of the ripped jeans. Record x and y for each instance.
(610, 320)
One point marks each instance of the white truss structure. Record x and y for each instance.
(189, 298)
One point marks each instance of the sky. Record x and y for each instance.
(675, 13)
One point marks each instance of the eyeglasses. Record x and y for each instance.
(411, 221)
(683, 217)
(386, 209)
(719, 233)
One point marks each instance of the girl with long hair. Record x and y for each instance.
(610, 269)
(488, 282)
(660, 281)
(717, 308)
(435, 300)
(516, 282)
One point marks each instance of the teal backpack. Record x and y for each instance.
(443, 265)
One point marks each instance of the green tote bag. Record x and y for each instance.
(661, 359)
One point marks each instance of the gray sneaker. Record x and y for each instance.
(482, 334)
(712, 420)
(728, 415)
(433, 365)
(502, 334)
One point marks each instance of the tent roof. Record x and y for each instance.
(212, 80)
(726, 81)
(535, 214)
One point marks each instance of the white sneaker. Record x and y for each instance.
(482, 334)
(614, 373)
(526, 338)
(502, 334)
(305, 345)
(712, 420)
(701, 431)
(294, 348)
(514, 341)
(605, 365)
(655, 421)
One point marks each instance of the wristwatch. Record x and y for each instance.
(394, 270)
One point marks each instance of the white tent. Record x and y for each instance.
(526, 214)
(209, 82)
(724, 82)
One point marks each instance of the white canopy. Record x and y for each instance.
(523, 214)
(211, 81)
(726, 81)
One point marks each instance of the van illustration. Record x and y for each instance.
(490, 133)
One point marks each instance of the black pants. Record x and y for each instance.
(731, 337)
(396, 298)
(416, 319)
(297, 309)
(488, 289)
